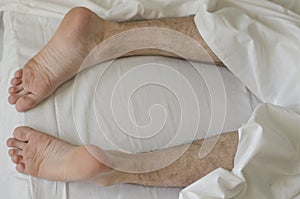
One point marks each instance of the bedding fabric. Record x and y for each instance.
(68, 114)
(267, 162)
(263, 34)
(259, 41)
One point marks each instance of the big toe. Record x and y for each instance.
(27, 102)
(23, 133)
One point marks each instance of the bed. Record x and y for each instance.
(67, 114)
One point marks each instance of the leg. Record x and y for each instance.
(44, 156)
(186, 169)
(81, 31)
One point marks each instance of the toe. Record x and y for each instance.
(21, 167)
(15, 89)
(27, 102)
(19, 73)
(16, 159)
(16, 81)
(13, 152)
(13, 142)
(9, 142)
(12, 99)
(22, 133)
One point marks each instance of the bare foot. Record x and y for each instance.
(41, 155)
(80, 31)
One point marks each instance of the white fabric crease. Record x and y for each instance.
(259, 42)
(267, 162)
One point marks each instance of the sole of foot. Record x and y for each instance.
(44, 156)
(60, 60)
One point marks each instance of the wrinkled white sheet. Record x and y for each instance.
(23, 33)
(117, 10)
(267, 163)
(259, 41)
(225, 25)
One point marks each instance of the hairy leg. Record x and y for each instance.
(45, 156)
(187, 169)
(81, 31)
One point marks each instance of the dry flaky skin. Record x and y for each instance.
(81, 31)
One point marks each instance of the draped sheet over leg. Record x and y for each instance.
(259, 42)
(267, 161)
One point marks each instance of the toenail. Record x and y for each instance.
(13, 97)
(15, 81)
(18, 73)
(9, 143)
(14, 158)
(11, 152)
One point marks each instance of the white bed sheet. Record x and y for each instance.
(24, 35)
(256, 30)
(259, 42)
(266, 164)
